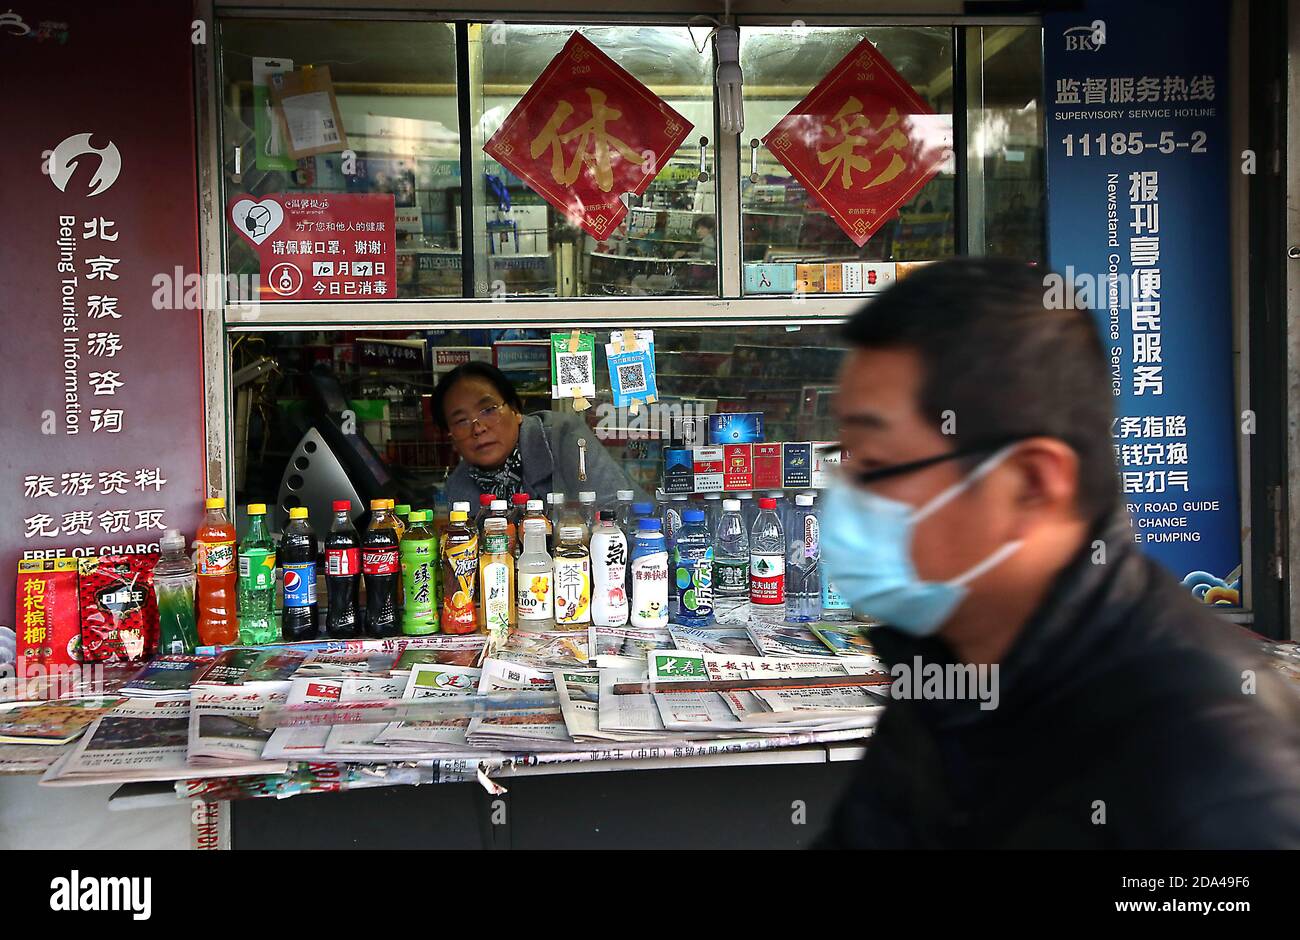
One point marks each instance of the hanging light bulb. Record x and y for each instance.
(730, 80)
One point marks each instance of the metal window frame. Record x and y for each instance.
(730, 308)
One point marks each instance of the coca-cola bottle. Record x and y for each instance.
(342, 573)
(298, 559)
(382, 570)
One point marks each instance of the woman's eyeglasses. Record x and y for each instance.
(489, 417)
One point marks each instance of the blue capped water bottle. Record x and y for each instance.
(693, 570)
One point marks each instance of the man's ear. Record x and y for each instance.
(1048, 471)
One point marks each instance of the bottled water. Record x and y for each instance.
(731, 555)
(767, 556)
(803, 563)
(693, 570)
(672, 523)
(712, 512)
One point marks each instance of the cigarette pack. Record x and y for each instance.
(796, 465)
(738, 473)
(742, 427)
(766, 462)
(690, 431)
(709, 464)
(679, 471)
(824, 462)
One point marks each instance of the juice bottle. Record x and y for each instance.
(572, 580)
(459, 575)
(533, 511)
(394, 520)
(218, 575)
(419, 568)
(535, 570)
(497, 582)
(609, 605)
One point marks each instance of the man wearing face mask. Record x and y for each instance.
(1125, 714)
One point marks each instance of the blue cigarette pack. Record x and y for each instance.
(743, 427)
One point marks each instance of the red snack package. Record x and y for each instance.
(119, 612)
(47, 616)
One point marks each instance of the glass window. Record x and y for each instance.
(395, 88)
(1005, 147)
(667, 242)
(788, 237)
(335, 414)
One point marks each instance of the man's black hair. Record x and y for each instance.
(707, 221)
(468, 370)
(1002, 362)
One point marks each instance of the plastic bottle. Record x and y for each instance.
(672, 522)
(394, 520)
(767, 556)
(298, 552)
(497, 580)
(459, 575)
(748, 508)
(342, 574)
(572, 580)
(174, 587)
(712, 513)
(497, 509)
(693, 570)
(533, 582)
(641, 511)
(587, 513)
(834, 607)
(518, 509)
(217, 575)
(381, 568)
(649, 576)
(402, 513)
(257, 581)
(419, 554)
(803, 594)
(533, 511)
(485, 501)
(609, 607)
(555, 504)
(731, 553)
(624, 512)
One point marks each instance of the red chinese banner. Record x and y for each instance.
(585, 133)
(862, 142)
(321, 246)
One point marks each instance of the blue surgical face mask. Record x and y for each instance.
(867, 546)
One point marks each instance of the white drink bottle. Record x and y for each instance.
(609, 606)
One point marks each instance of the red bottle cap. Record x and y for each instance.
(520, 499)
(342, 505)
(485, 499)
(766, 502)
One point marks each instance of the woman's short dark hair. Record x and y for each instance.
(1003, 360)
(707, 222)
(474, 370)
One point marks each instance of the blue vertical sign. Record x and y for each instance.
(1137, 219)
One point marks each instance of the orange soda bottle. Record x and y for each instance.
(459, 560)
(218, 575)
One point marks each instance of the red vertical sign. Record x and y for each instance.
(103, 376)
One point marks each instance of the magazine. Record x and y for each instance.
(51, 723)
(542, 648)
(844, 639)
(167, 677)
(242, 665)
(775, 639)
(443, 650)
(223, 722)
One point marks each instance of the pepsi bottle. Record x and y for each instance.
(298, 560)
(342, 574)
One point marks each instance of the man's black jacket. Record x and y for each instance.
(1124, 720)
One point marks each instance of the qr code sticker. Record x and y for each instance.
(631, 378)
(574, 369)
